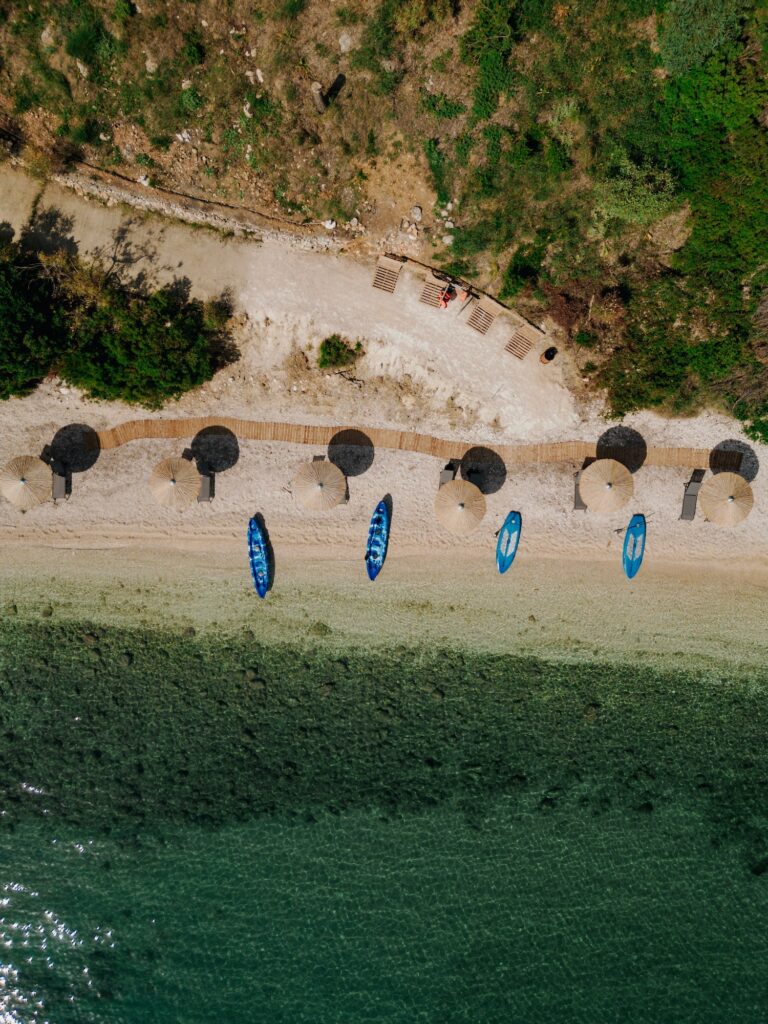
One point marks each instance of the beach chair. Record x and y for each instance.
(482, 314)
(207, 487)
(431, 290)
(691, 495)
(449, 473)
(578, 503)
(387, 272)
(523, 340)
(59, 488)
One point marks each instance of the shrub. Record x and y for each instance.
(335, 352)
(693, 30)
(33, 332)
(143, 350)
(440, 105)
(438, 169)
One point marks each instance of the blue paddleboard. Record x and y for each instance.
(378, 540)
(509, 538)
(634, 546)
(258, 558)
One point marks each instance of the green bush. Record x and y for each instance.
(437, 166)
(33, 331)
(692, 30)
(335, 352)
(440, 105)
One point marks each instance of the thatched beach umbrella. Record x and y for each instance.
(319, 486)
(175, 483)
(459, 506)
(26, 481)
(726, 499)
(606, 486)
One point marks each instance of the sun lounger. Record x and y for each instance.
(523, 340)
(691, 494)
(578, 503)
(432, 289)
(59, 489)
(449, 473)
(387, 272)
(207, 487)
(482, 313)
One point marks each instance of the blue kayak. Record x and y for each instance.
(258, 557)
(634, 546)
(378, 540)
(509, 538)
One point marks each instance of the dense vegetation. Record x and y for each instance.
(605, 160)
(335, 351)
(58, 315)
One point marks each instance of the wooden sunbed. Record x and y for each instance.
(431, 289)
(691, 495)
(59, 487)
(387, 272)
(482, 314)
(523, 340)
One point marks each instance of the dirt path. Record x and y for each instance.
(305, 295)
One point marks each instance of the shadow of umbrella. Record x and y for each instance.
(484, 468)
(75, 448)
(215, 449)
(351, 451)
(750, 464)
(625, 445)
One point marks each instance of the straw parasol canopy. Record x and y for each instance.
(726, 499)
(319, 486)
(26, 481)
(606, 486)
(175, 483)
(459, 506)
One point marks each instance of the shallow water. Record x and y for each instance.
(195, 831)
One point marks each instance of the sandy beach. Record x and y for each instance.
(422, 370)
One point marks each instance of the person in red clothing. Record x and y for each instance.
(446, 295)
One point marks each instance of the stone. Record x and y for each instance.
(150, 64)
(183, 136)
(260, 75)
(247, 110)
(250, 76)
(354, 223)
(144, 179)
(346, 42)
(416, 213)
(48, 37)
(82, 68)
(404, 224)
(413, 231)
(447, 239)
(449, 224)
(186, 83)
(104, 136)
(329, 224)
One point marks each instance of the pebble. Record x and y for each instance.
(447, 239)
(104, 136)
(186, 83)
(449, 224)
(48, 36)
(82, 69)
(260, 75)
(345, 42)
(150, 64)
(247, 110)
(354, 222)
(404, 224)
(144, 179)
(329, 224)
(416, 213)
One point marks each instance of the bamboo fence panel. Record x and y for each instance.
(424, 444)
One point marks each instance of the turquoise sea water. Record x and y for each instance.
(196, 831)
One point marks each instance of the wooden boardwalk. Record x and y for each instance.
(424, 444)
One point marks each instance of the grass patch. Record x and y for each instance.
(335, 352)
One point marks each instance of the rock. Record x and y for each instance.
(183, 136)
(354, 223)
(204, 23)
(447, 239)
(260, 75)
(104, 136)
(150, 64)
(449, 206)
(346, 42)
(250, 76)
(413, 231)
(144, 179)
(186, 83)
(449, 224)
(48, 37)
(247, 110)
(416, 213)
(329, 224)
(82, 68)
(404, 224)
